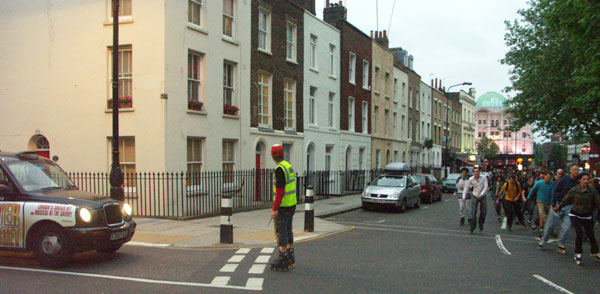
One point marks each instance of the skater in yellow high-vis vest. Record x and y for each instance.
(284, 208)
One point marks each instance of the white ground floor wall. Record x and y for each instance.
(257, 144)
(355, 152)
(322, 148)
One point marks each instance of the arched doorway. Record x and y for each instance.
(404, 156)
(259, 168)
(387, 157)
(40, 144)
(348, 158)
(310, 157)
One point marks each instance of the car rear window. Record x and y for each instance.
(421, 179)
(387, 181)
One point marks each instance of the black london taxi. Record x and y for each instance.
(41, 210)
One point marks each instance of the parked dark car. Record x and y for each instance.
(44, 212)
(431, 190)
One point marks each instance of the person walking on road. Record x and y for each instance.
(583, 199)
(463, 205)
(511, 199)
(495, 194)
(478, 200)
(557, 216)
(529, 211)
(543, 191)
(284, 208)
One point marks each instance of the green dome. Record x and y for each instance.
(491, 99)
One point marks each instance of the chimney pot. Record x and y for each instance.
(371, 34)
(340, 3)
(326, 3)
(432, 83)
(385, 33)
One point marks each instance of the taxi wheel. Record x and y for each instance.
(417, 203)
(402, 207)
(52, 247)
(109, 249)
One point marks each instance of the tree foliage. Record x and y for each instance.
(554, 52)
(487, 147)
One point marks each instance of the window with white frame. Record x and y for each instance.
(264, 29)
(289, 94)
(330, 113)
(311, 105)
(352, 68)
(287, 152)
(376, 80)
(126, 158)
(386, 116)
(375, 114)
(264, 99)
(365, 117)
(361, 157)
(194, 154)
(195, 73)
(228, 18)
(313, 52)
(195, 11)
(228, 91)
(328, 157)
(228, 160)
(125, 8)
(365, 77)
(125, 98)
(332, 60)
(351, 113)
(290, 42)
(395, 155)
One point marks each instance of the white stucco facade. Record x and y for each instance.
(426, 154)
(322, 148)
(401, 96)
(468, 121)
(65, 46)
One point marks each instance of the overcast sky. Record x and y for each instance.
(455, 40)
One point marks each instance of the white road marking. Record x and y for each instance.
(262, 259)
(375, 221)
(254, 286)
(448, 200)
(145, 244)
(229, 268)
(257, 269)
(268, 250)
(501, 246)
(236, 258)
(504, 224)
(555, 286)
(254, 283)
(424, 207)
(243, 251)
(220, 281)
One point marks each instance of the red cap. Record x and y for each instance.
(277, 150)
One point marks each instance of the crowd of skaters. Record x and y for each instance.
(549, 204)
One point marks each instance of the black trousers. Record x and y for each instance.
(580, 225)
(481, 205)
(512, 209)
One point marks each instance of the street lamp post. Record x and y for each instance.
(447, 130)
(116, 176)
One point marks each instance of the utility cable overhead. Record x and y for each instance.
(377, 14)
(391, 17)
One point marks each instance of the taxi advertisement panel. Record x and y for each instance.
(62, 214)
(11, 225)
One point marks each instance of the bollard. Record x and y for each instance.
(226, 225)
(309, 210)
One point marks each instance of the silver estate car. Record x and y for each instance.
(392, 190)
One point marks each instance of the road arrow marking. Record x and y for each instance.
(501, 246)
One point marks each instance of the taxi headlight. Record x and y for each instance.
(396, 194)
(127, 209)
(85, 215)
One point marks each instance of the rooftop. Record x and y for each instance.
(491, 100)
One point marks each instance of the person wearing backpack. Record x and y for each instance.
(511, 200)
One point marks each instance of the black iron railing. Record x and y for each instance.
(186, 195)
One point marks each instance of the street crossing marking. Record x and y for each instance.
(257, 269)
(253, 285)
(262, 259)
(243, 251)
(555, 286)
(501, 246)
(236, 258)
(504, 224)
(145, 244)
(229, 268)
(220, 281)
(268, 250)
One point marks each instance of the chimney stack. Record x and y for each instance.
(381, 38)
(432, 83)
(334, 12)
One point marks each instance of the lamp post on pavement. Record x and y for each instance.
(447, 130)
(116, 176)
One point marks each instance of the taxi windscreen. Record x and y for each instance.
(389, 181)
(36, 176)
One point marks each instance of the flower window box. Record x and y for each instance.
(195, 105)
(124, 102)
(230, 109)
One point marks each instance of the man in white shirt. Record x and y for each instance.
(463, 206)
(480, 187)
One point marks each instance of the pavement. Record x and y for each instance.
(250, 229)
